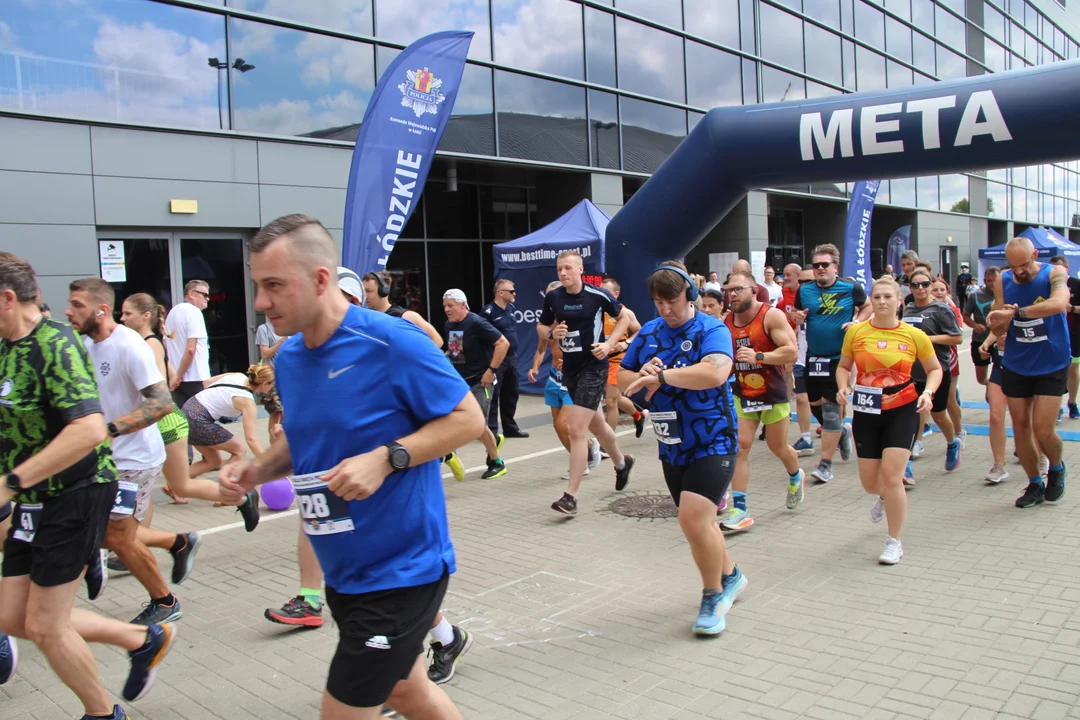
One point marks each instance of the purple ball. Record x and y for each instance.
(279, 494)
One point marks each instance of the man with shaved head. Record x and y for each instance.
(762, 294)
(370, 405)
(1030, 302)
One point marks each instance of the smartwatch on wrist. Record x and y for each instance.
(660, 375)
(494, 370)
(399, 457)
(1020, 313)
(13, 482)
(112, 430)
(760, 357)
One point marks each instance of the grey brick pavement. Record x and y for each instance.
(589, 617)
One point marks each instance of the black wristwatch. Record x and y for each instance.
(112, 430)
(551, 334)
(493, 369)
(1020, 313)
(13, 482)
(660, 377)
(760, 357)
(399, 457)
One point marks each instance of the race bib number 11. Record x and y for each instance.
(323, 512)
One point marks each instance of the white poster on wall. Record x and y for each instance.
(111, 253)
(721, 264)
(757, 265)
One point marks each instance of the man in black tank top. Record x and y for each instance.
(376, 293)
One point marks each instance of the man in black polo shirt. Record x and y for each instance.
(504, 396)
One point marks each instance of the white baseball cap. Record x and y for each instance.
(455, 294)
(349, 283)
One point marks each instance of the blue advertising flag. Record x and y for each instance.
(857, 232)
(899, 243)
(395, 148)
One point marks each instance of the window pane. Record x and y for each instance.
(826, 11)
(716, 20)
(302, 84)
(713, 77)
(869, 25)
(999, 175)
(995, 199)
(451, 215)
(600, 46)
(112, 60)
(1017, 204)
(922, 15)
(504, 212)
(849, 65)
(650, 133)
(667, 12)
(898, 75)
(871, 67)
(400, 21)
(823, 55)
(923, 53)
(779, 86)
(524, 32)
(994, 22)
(540, 119)
(900, 7)
(898, 39)
(604, 129)
(750, 81)
(950, 29)
(1034, 207)
(926, 189)
(994, 56)
(954, 188)
(847, 16)
(783, 43)
(650, 61)
(347, 15)
(949, 64)
(813, 90)
(903, 192)
(956, 5)
(747, 35)
(471, 128)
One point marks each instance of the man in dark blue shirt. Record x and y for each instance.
(504, 398)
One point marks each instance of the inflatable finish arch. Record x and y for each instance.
(1022, 117)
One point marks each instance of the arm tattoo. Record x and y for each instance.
(156, 405)
(718, 360)
(1056, 282)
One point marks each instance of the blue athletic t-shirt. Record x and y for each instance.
(689, 424)
(1036, 346)
(376, 380)
(828, 310)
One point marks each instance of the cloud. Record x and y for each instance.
(177, 62)
(295, 117)
(8, 39)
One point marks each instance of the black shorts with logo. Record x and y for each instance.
(821, 387)
(588, 386)
(380, 635)
(1015, 385)
(941, 395)
(708, 476)
(67, 532)
(893, 428)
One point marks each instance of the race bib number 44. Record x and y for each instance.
(323, 512)
(666, 427)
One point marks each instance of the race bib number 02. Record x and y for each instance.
(323, 512)
(818, 367)
(666, 427)
(27, 519)
(1030, 331)
(867, 400)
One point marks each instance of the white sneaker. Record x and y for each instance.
(917, 450)
(892, 553)
(963, 438)
(566, 475)
(594, 454)
(997, 474)
(877, 512)
(1044, 465)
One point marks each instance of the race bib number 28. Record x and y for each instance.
(323, 512)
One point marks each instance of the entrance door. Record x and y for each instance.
(948, 266)
(161, 263)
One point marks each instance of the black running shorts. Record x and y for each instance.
(380, 635)
(820, 387)
(976, 356)
(941, 396)
(1015, 385)
(708, 476)
(587, 387)
(67, 532)
(893, 428)
(799, 373)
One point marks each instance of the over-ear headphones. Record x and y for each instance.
(384, 287)
(691, 286)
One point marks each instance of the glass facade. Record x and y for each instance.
(613, 85)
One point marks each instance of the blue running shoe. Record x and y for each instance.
(734, 584)
(952, 455)
(927, 431)
(145, 660)
(1074, 412)
(1061, 414)
(803, 448)
(909, 475)
(9, 657)
(117, 714)
(710, 620)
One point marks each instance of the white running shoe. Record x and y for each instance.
(877, 512)
(892, 553)
(566, 475)
(997, 474)
(917, 450)
(1044, 465)
(963, 438)
(594, 454)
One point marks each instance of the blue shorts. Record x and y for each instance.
(556, 395)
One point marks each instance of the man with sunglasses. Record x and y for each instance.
(828, 306)
(504, 396)
(186, 342)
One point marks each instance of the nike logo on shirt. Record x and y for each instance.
(334, 373)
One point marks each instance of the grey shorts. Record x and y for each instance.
(139, 483)
(203, 429)
(587, 387)
(483, 396)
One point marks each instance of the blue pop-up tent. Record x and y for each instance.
(530, 262)
(1046, 240)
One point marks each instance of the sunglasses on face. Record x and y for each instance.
(924, 284)
(205, 295)
(821, 265)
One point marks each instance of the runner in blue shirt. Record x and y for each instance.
(828, 306)
(683, 360)
(1030, 303)
(371, 404)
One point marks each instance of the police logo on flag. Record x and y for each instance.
(421, 92)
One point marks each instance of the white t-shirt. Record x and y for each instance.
(183, 322)
(124, 364)
(714, 286)
(218, 400)
(775, 293)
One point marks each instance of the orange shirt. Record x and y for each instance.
(884, 358)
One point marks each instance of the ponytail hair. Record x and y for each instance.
(144, 303)
(161, 329)
(260, 374)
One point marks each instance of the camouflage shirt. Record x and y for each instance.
(46, 382)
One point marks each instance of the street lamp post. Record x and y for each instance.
(238, 64)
